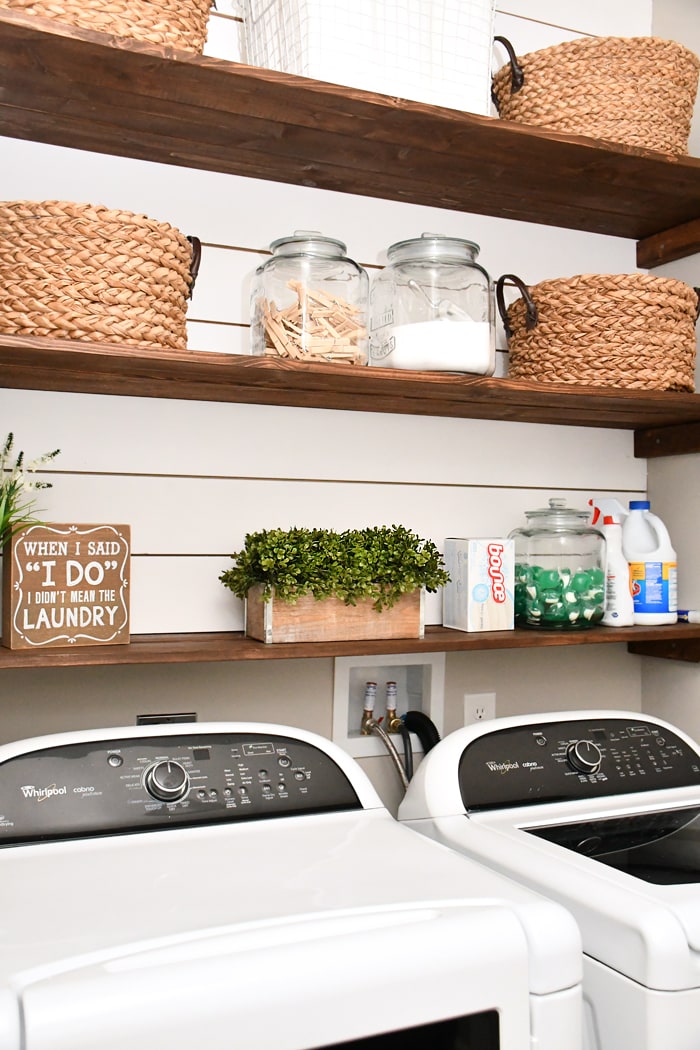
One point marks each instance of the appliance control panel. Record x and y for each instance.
(146, 783)
(573, 759)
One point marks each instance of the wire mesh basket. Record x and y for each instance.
(437, 52)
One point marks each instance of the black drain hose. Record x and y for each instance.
(424, 728)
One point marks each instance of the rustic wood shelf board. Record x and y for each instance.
(90, 91)
(99, 368)
(216, 648)
(686, 650)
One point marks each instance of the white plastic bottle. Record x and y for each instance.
(619, 603)
(653, 569)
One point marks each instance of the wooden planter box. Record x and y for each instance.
(330, 620)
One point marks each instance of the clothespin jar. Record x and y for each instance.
(309, 302)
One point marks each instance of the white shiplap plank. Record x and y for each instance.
(526, 37)
(223, 38)
(223, 293)
(218, 338)
(213, 439)
(179, 595)
(211, 516)
(598, 17)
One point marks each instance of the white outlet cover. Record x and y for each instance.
(420, 679)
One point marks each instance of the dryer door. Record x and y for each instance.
(428, 976)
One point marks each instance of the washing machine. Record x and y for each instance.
(241, 885)
(600, 811)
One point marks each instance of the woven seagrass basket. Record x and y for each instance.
(82, 271)
(181, 24)
(639, 91)
(611, 330)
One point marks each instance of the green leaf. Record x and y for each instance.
(378, 563)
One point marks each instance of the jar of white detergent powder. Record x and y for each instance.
(647, 547)
(431, 308)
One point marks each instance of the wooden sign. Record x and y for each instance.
(66, 585)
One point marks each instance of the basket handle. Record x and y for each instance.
(697, 312)
(530, 308)
(196, 260)
(517, 74)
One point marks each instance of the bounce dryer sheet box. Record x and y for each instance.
(479, 596)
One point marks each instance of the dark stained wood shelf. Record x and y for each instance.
(677, 641)
(97, 368)
(91, 91)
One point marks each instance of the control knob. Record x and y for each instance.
(167, 781)
(584, 756)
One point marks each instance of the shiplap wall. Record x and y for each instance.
(193, 478)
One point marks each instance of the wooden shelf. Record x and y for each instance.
(677, 641)
(97, 368)
(91, 91)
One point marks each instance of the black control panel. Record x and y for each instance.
(573, 759)
(140, 784)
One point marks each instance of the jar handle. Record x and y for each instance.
(194, 264)
(530, 308)
(517, 73)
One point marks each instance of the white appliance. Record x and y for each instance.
(600, 811)
(241, 885)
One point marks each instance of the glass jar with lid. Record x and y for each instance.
(559, 569)
(309, 302)
(432, 308)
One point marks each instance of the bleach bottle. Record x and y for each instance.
(608, 516)
(653, 569)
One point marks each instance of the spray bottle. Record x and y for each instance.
(653, 568)
(608, 516)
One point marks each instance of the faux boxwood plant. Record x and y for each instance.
(380, 564)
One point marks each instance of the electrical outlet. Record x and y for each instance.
(478, 707)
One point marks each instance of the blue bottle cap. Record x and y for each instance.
(640, 504)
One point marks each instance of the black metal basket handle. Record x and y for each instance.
(196, 260)
(697, 312)
(530, 308)
(517, 74)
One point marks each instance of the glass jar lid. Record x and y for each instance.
(558, 516)
(433, 247)
(308, 242)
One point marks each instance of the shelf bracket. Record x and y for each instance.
(686, 650)
(654, 442)
(669, 245)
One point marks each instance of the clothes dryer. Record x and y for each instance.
(241, 885)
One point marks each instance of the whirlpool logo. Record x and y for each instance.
(502, 767)
(42, 794)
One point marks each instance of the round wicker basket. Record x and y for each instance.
(80, 271)
(639, 91)
(180, 24)
(612, 330)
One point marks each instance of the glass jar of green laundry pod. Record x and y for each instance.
(559, 569)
